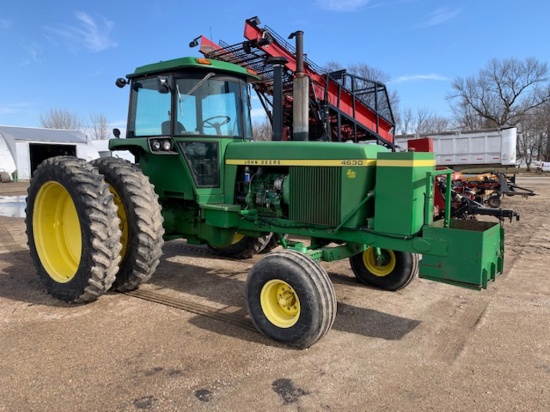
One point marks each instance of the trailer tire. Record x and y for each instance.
(494, 201)
(244, 247)
(290, 298)
(72, 229)
(398, 270)
(141, 221)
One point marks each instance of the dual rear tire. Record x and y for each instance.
(91, 227)
(141, 221)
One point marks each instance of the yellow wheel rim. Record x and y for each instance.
(280, 303)
(121, 212)
(57, 232)
(384, 266)
(237, 238)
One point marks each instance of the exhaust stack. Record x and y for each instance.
(300, 92)
(278, 67)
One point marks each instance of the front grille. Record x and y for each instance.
(315, 195)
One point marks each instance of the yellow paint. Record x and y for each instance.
(351, 174)
(298, 162)
(121, 212)
(280, 303)
(57, 232)
(406, 163)
(369, 260)
(331, 163)
(237, 237)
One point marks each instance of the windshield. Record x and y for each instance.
(214, 108)
(205, 105)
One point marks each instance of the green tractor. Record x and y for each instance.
(200, 176)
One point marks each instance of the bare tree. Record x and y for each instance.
(502, 92)
(430, 122)
(262, 130)
(60, 119)
(467, 118)
(544, 116)
(405, 121)
(99, 126)
(527, 145)
(422, 123)
(373, 75)
(534, 135)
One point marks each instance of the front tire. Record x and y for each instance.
(290, 298)
(392, 270)
(141, 221)
(72, 229)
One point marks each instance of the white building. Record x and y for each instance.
(22, 149)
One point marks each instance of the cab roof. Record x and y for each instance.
(191, 63)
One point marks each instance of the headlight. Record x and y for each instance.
(161, 146)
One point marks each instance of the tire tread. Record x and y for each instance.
(96, 211)
(145, 221)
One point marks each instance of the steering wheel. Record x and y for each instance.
(216, 125)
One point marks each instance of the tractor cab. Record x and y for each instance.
(189, 103)
(189, 108)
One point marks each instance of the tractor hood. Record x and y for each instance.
(301, 154)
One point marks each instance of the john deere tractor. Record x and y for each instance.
(200, 176)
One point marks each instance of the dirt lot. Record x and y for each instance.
(428, 347)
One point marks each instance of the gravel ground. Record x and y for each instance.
(428, 347)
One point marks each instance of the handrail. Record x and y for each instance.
(428, 211)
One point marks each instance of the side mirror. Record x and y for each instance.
(164, 86)
(116, 133)
(120, 82)
(194, 42)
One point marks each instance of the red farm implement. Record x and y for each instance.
(342, 106)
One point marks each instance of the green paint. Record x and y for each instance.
(400, 192)
(190, 63)
(474, 257)
(344, 197)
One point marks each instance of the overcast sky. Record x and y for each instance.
(67, 54)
